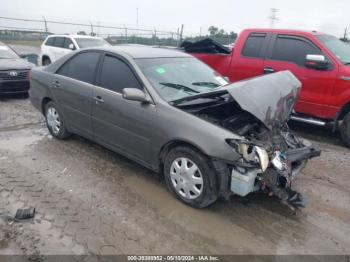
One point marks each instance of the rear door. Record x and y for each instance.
(118, 123)
(73, 90)
(288, 52)
(248, 56)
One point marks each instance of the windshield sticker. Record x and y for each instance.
(221, 80)
(160, 70)
(4, 48)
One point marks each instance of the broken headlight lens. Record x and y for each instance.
(279, 161)
(251, 153)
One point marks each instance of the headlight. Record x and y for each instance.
(279, 161)
(251, 153)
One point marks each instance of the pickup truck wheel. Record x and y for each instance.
(189, 177)
(345, 130)
(55, 122)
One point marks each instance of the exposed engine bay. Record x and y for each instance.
(271, 155)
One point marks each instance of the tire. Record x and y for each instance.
(46, 61)
(345, 130)
(55, 122)
(205, 192)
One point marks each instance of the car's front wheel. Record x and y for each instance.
(55, 122)
(345, 130)
(189, 177)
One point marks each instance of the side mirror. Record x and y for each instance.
(318, 62)
(136, 94)
(71, 46)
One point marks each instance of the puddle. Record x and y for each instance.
(18, 141)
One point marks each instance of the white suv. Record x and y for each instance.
(56, 46)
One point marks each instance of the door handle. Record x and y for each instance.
(55, 84)
(268, 70)
(98, 99)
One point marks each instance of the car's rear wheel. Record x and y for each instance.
(345, 130)
(46, 61)
(189, 177)
(55, 122)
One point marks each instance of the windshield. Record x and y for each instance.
(90, 42)
(340, 49)
(7, 53)
(176, 78)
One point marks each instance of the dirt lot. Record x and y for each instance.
(92, 201)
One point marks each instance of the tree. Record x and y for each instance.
(213, 30)
(81, 33)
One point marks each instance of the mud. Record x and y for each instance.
(90, 200)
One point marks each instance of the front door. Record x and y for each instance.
(289, 53)
(118, 123)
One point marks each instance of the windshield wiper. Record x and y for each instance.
(205, 84)
(179, 87)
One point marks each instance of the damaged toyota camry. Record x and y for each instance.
(173, 114)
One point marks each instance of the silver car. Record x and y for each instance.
(173, 114)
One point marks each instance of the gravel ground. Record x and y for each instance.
(90, 200)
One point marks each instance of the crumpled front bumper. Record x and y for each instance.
(279, 183)
(275, 181)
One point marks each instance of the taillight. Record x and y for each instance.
(29, 77)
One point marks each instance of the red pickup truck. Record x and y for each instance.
(320, 61)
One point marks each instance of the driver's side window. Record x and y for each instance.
(117, 75)
(292, 49)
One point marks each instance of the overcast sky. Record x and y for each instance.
(232, 15)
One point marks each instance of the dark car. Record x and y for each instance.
(175, 115)
(14, 72)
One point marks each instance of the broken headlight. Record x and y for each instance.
(279, 161)
(251, 153)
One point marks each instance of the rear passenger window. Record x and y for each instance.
(50, 41)
(116, 75)
(59, 41)
(253, 45)
(81, 67)
(293, 50)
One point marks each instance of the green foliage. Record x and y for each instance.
(219, 35)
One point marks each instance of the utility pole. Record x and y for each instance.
(137, 24)
(45, 22)
(273, 17)
(137, 17)
(181, 32)
(92, 29)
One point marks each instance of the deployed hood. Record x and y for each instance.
(15, 64)
(269, 98)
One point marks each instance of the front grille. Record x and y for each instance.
(14, 87)
(14, 75)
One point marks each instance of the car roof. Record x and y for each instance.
(76, 36)
(284, 31)
(139, 51)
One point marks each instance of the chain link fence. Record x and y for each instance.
(22, 29)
